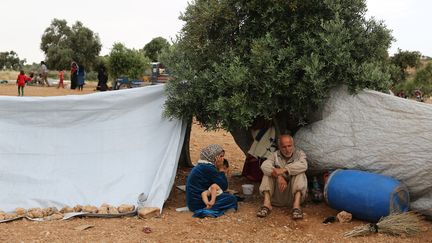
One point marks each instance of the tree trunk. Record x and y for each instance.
(243, 138)
(284, 124)
(185, 159)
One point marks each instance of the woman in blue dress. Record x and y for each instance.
(81, 77)
(207, 172)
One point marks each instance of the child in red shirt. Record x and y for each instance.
(61, 79)
(21, 82)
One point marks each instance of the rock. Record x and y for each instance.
(89, 209)
(344, 217)
(10, 215)
(66, 209)
(49, 211)
(20, 211)
(103, 210)
(149, 212)
(125, 208)
(77, 208)
(35, 213)
(112, 210)
(56, 216)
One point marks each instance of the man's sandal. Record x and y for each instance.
(263, 212)
(297, 213)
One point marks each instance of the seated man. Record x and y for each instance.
(284, 182)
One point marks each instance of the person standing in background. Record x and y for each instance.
(102, 78)
(81, 78)
(61, 79)
(44, 73)
(74, 75)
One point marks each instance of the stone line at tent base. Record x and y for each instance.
(141, 213)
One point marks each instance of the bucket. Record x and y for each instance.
(366, 196)
(247, 189)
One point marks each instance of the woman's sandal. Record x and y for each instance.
(263, 212)
(297, 213)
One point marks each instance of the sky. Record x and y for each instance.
(409, 21)
(131, 22)
(136, 22)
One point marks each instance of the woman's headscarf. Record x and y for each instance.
(210, 152)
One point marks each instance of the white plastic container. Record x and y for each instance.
(247, 189)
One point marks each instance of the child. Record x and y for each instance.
(21, 82)
(214, 190)
(61, 79)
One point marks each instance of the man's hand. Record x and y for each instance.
(278, 172)
(282, 183)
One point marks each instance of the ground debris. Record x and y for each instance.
(83, 227)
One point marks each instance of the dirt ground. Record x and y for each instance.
(172, 226)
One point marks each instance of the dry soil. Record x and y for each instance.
(172, 226)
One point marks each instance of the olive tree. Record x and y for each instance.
(63, 44)
(423, 79)
(10, 60)
(237, 61)
(155, 47)
(403, 60)
(123, 61)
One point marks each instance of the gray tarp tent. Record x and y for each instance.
(374, 132)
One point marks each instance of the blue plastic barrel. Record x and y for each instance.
(366, 196)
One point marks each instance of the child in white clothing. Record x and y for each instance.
(214, 190)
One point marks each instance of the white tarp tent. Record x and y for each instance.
(374, 132)
(87, 149)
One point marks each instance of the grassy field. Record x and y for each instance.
(8, 75)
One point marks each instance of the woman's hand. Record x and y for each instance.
(227, 171)
(219, 161)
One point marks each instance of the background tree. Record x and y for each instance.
(238, 61)
(10, 60)
(127, 62)
(155, 47)
(63, 44)
(423, 79)
(403, 60)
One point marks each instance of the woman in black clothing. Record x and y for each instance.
(102, 79)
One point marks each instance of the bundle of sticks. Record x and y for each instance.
(395, 224)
